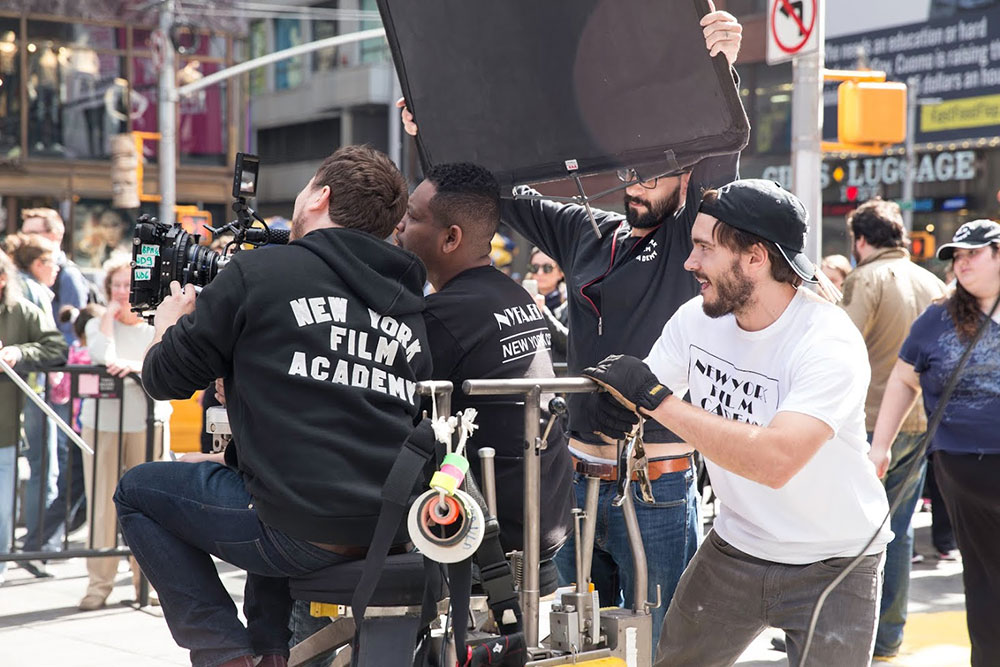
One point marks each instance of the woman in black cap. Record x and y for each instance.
(966, 445)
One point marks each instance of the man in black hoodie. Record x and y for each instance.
(482, 324)
(320, 344)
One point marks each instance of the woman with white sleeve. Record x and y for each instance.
(117, 340)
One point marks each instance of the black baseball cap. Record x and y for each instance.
(769, 211)
(973, 234)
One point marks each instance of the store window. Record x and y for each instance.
(10, 98)
(373, 50)
(329, 58)
(299, 142)
(201, 132)
(144, 99)
(288, 72)
(74, 79)
(98, 231)
(258, 48)
(771, 111)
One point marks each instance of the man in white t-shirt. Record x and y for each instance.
(778, 379)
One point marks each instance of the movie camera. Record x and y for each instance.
(162, 253)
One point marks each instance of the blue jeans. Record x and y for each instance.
(174, 517)
(671, 532)
(8, 470)
(42, 453)
(896, 587)
(47, 534)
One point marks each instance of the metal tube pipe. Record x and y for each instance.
(487, 473)
(21, 556)
(532, 519)
(44, 407)
(589, 529)
(640, 590)
(581, 574)
(566, 385)
(442, 394)
(299, 50)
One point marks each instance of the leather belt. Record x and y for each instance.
(609, 471)
(351, 551)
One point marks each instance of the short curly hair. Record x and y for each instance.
(468, 195)
(879, 222)
(367, 191)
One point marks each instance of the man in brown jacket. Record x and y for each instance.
(883, 296)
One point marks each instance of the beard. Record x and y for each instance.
(296, 228)
(733, 292)
(656, 214)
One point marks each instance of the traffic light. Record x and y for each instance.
(124, 172)
(193, 220)
(870, 112)
(922, 245)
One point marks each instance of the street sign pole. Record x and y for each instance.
(167, 118)
(795, 32)
(807, 135)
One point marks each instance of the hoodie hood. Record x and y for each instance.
(391, 280)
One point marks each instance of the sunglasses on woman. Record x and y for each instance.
(544, 268)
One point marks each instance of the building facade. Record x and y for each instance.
(950, 51)
(68, 84)
(302, 109)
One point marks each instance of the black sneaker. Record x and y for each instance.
(37, 569)
(778, 644)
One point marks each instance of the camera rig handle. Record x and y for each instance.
(243, 230)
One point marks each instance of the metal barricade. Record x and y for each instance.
(86, 383)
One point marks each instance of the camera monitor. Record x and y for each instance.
(245, 176)
(522, 86)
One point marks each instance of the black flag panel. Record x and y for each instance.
(522, 86)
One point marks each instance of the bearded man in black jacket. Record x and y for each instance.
(320, 344)
(622, 287)
(482, 324)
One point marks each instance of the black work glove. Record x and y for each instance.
(629, 380)
(611, 417)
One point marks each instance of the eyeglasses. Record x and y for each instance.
(630, 176)
(544, 268)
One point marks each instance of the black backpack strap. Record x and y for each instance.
(460, 587)
(497, 580)
(416, 451)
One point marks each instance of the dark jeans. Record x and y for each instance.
(969, 484)
(899, 552)
(175, 517)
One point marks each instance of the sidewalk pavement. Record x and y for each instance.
(41, 626)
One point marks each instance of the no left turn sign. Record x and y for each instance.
(792, 29)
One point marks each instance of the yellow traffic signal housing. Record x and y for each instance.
(193, 221)
(922, 245)
(871, 112)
